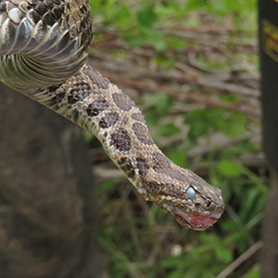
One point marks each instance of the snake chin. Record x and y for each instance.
(193, 221)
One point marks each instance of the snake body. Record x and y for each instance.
(43, 48)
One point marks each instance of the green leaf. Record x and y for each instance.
(123, 18)
(88, 136)
(179, 157)
(195, 4)
(176, 273)
(197, 121)
(106, 185)
(161, 102)
(176, 43)
(224, 254)
(230, 98)
(148, 36)
(168, 130)
(228, 168)
(204, 121)
(252, 204)
(239, 238)
(234, 125)
(254, 272)
(146, 17)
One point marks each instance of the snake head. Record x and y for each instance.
(196, 205)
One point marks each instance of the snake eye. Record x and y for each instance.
(190, 192)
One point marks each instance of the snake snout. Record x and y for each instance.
(214, 209)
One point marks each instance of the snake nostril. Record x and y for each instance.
(197, 205)
(208, 204)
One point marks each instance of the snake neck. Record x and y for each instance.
(94, 103)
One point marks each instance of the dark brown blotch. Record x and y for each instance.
(157, 185)
(80, 91)
(131, 174)
(59, 97)
(142, 134)
(53, 88)
(122, 160)
(108, 120)
(59, 94)
(158, 189)
(75, 116)
(123, 101)
(152, 185)
(126, 166)
(121, 140)
(96, 107)
(142, 165)
(138, 117)
(162, 164)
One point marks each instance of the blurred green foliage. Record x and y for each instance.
(136, 245)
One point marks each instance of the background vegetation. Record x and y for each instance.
(192, 67)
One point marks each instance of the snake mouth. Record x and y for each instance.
(193, 221)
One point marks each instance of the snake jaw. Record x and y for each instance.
(188, 218)
(195, 212)
(193, 221)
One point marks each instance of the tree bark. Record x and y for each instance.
(268, 25)
(48, 211)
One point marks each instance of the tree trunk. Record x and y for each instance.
(268, 23)
(48, 211)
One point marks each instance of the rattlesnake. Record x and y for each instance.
(43, 48)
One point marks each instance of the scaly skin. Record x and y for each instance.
(43, 48)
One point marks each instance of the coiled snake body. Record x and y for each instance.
(43, 48)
